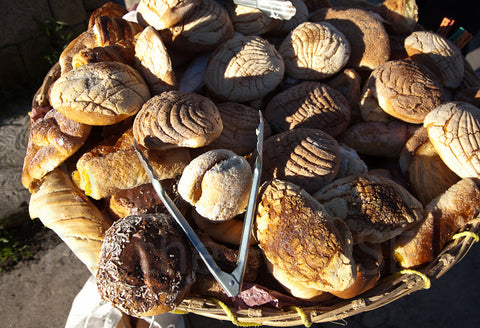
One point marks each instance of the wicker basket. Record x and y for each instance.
(387, 290)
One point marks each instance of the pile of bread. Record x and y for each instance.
(371, 147)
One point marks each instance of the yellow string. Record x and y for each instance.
(232, 317)
(426, 280)
(178, 311)
(305, 320)
(466, 234)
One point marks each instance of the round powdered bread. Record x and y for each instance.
(177, 119)
(217, 183)
(99, 93)
(244, 69)
(146, 265)
(314, 51)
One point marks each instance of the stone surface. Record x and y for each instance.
(12, 70)
(71, 11)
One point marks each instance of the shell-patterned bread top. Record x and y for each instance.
(52, 139)
(307, 157)
(300, 239)
(375, 208)
(146, 265)
(153, 61)
(427, 173)
(99, 93)
(244, 69)
(453, 129)
(217, 183)
(309, 105)
(162, 14)
(177, 119)
(110, 30)
(250, 21)
(369, 41)
(439, 54)
(314, 51)
(202, 31)
(240, 123)
(406, 90)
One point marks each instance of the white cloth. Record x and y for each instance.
(90, 311)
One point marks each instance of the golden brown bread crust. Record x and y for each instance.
(52, 139)
(153, 61)
(105, 170)
(300, 239)
(110, 30)
(66, 210)
(101, 93)
(369, 42)
(110, 8)
(83, 41)
(163, 14)
(146, 265)
(444, 216)
(122, 52)
(376, 209)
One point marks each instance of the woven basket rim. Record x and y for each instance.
(387, 290)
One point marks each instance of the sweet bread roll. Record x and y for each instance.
(110, 30)
(401, 15)
(309, 105)
(250, 21)
(83, 41)
(308, 158)
(300, 239)
(314, 51)
(350, 162)
(122, 52)
(146, 265)
(369, 42)
(66, 210)
(201, 31)
(439, 54)
(240, 123)
(99, 93)
(377, 138)
(162, 14)
(153, 61)
(110, 8)
(52, 139)
(453, 129)
(105, 170)
(243, 69)
(405, 90)
(348, 82)
(444, 216)
(375, 209)
(426, 172)
(177, 119)
(217, 183)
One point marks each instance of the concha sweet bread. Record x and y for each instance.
(300, 239)
(375, 209)
(439, 54)
(177, 119)
(453, 129)
(309, 105)
(307, 157)
(99, 93)
(314, 51)
(243, 69)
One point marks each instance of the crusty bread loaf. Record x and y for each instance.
(52, 139)
(110, 8)
(444, 216)
(66, 210)
(105, 170)
(99, 93)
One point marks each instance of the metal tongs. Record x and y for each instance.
(230, 282)
(277, 9)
